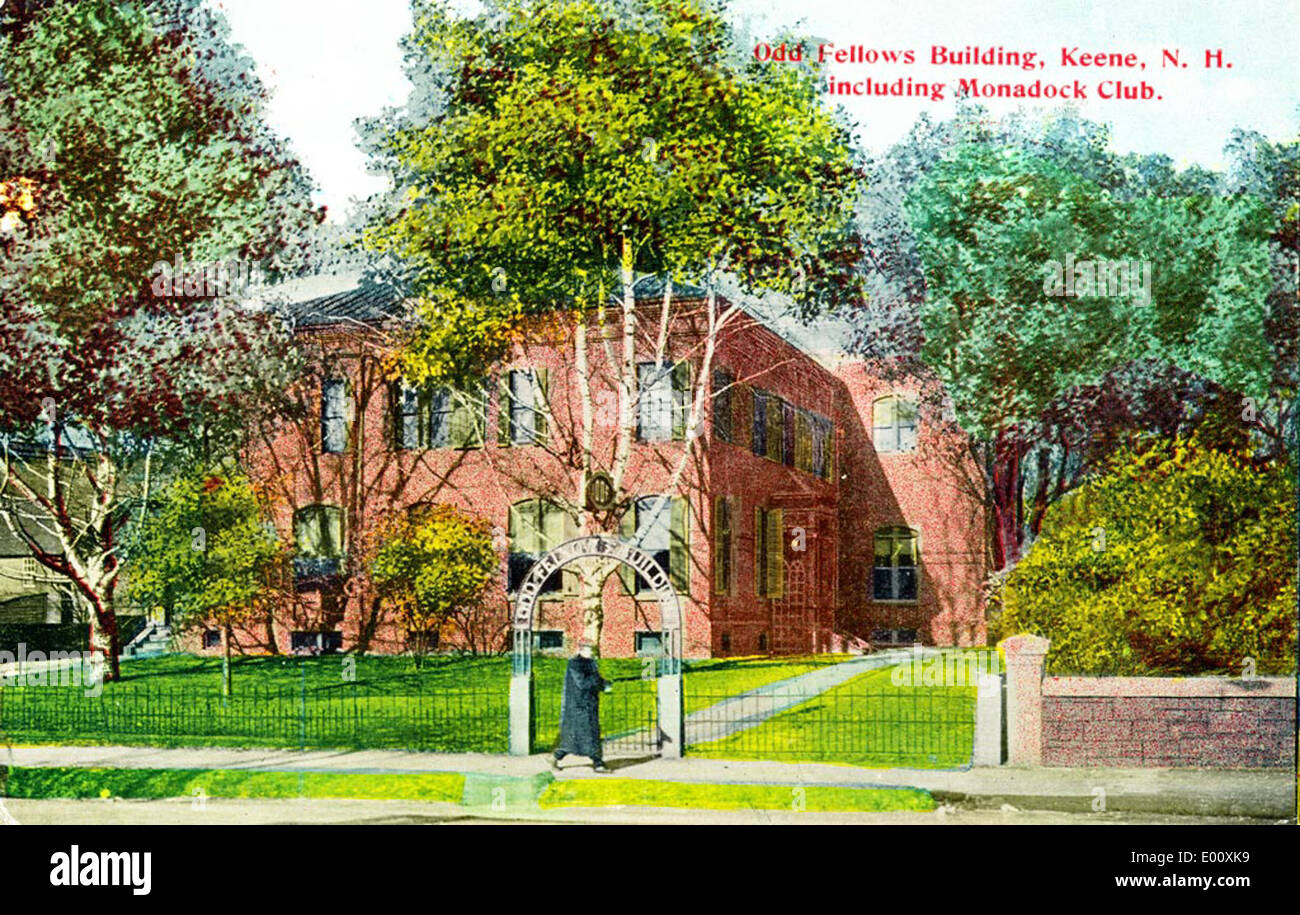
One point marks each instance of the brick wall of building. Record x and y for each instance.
(934, 489)
(828, 516)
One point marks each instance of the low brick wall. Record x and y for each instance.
(1169, 722)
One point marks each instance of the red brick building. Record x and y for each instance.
(813, 505)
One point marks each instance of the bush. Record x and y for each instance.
(1179, 559)
(433, 569)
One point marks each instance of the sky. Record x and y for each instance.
(329, 62)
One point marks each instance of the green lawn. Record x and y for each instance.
(448, 703)
(634, 792)
(866, 721)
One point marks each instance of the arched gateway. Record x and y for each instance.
(601, 546)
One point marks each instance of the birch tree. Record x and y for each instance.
(559, 153)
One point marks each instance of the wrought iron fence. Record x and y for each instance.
(866, 721)
(353, 716)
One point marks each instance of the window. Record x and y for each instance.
(769, 552)
(457, 418)
(523, 407)
(657, 525)
(663, 401)
(762, 641)
(758, 441)
(893, 424)
(769, 438)
(723, 557)
(548, 640)
(211, 638)
(408, 431)
(726, 641)
(894, 636)
(318, 537)
(822, 433)
(536, 526)
(775, 428)
(894, 573)
(648, 643)
(437, 417)
(314, 643)
(318, 531)
(333, 415)
(722, 408)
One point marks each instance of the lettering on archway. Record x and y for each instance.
(599, 546)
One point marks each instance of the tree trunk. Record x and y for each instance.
(225, 662)
(104, 634)
(1006, 489)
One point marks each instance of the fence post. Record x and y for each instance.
(671, 719)
(988, 720)
(1025, 656)
(521, 694)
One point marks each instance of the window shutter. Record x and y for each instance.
(503, 411)
(459, 420)
(775, 431)
(541, 405)
(759, 438)
(678, 556)
(681, 399)
(627, 530)
(742, 420)
(775, 542)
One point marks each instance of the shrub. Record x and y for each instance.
(1177, 559)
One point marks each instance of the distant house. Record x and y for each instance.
(821, 502)
(29, 592)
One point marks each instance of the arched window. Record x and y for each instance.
(318, 538)
(894, 574)
(536, 527)
(893, 424)
(318, 531)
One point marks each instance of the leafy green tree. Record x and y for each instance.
(562, 151)
(434, 569)
(1179, 559)
(208, 554)
(989, 220)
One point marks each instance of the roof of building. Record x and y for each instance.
(372, 304)
(369, 304)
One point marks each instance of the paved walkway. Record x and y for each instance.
(752, 708)
(1200, 792)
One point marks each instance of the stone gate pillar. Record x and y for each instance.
(1025, 656)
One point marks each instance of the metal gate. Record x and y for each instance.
(629, 719)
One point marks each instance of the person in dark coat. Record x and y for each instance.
(580, 709)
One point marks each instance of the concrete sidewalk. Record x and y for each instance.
(1197, 792)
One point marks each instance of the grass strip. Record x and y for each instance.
(82, 782)
(635, 792)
